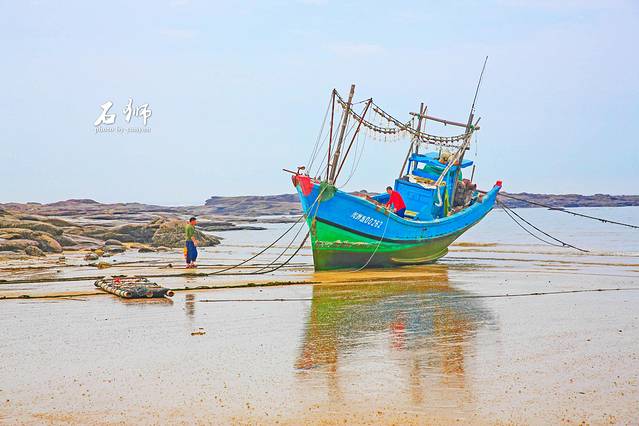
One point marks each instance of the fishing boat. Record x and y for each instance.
(357, 230)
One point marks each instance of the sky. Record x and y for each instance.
(238, 90)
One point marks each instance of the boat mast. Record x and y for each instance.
(330, 135)
(420, 117)
(340, 139)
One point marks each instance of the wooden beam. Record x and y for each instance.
(440, 120)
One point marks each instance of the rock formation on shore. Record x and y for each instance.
(36, 235)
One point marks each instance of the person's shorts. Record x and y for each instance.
(191, 251)
(401, 212)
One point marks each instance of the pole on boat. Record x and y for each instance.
(359, 125)
(469, 130)
(330, 135)
(340, 139)
(455, 158)
(469, 125)
(422, 115)
(439, 120)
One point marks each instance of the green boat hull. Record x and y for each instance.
(337, 248)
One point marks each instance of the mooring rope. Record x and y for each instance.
(470, 296)
(263, 250)
(283, 251)
(563, 244)
(379, 243)
(560, 209)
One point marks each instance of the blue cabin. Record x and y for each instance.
(418, 190)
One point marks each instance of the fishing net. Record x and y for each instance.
(132, 287)
(327, 191)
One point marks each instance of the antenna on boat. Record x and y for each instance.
(469, 130)
(472, 107)
(333, 165)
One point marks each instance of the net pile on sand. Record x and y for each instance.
(132, 287)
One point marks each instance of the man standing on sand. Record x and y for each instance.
(191, 243)
(396, 201)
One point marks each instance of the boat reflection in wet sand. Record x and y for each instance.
(402, 340)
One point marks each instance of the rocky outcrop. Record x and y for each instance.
(32, 225)
(34, 251)
(65, 241)
(60, 223)
(129, 233)
(114, 249)
(91, 257)
(171, 234)
(215, 226)
(16, 245)
(44, 241)
(252, 206)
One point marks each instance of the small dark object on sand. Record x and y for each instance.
(132, 287)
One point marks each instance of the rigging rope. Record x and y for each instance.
(317, 149)
(560, 209)
(399, 127)
(356, 160)
(563, 244)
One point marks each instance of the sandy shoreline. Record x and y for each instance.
(497, 332)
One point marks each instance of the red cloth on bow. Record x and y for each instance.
(305, 184)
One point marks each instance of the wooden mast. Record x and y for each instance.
(422, 115)
(340, 139)
(330, 135)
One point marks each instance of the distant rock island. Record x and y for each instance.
(289, 203)
(572, 200)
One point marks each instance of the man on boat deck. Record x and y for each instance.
(191, 243)
(397, 202)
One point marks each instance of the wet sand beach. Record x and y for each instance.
(501, 331)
